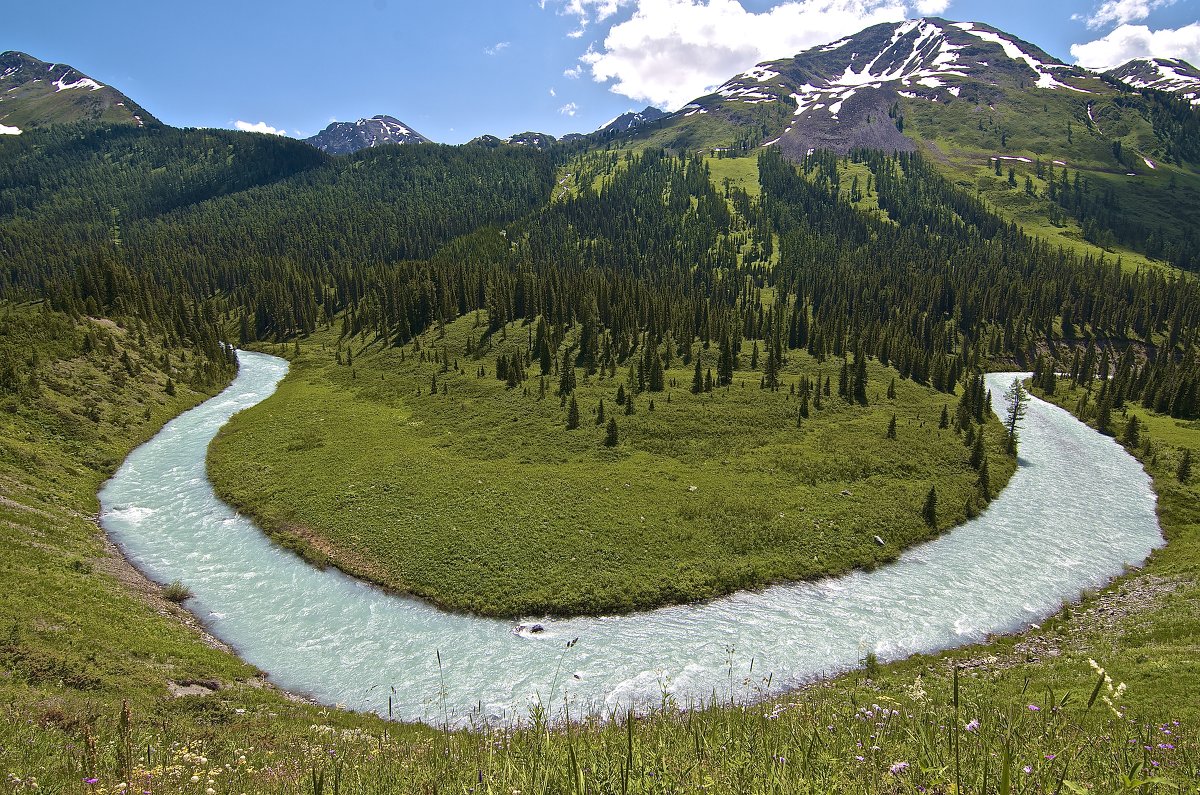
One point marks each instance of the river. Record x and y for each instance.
(1077, 511)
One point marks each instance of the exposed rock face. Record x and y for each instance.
(346, 137)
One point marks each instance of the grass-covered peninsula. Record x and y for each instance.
(418, 468)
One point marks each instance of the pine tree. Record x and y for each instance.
(621, 395)
(891, 429)
(929, 511)
(977, 452)
(1104, 413)
(944, 422)
(1017, 401)
(628, 405)
(600, 413)
(610, 433)
(1132, 435)
(891, 390)
(697, 377)
(573, 415)
(1184, 471)
(860, 378)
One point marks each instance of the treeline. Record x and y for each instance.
(653, 262)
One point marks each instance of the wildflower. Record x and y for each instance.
(91, 781)
(973, 726)
(859, 758)
(1034, 708)
(1166, 747)
(1050, 757)
(1027, 770)
(897, 768)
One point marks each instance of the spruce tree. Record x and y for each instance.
(944, 422)
(891, 391)
(610, 433)
(697, 377)
(573, 415)
(929, 511)
(977, 452)
(891, 429)
(1132, 435)
(600, 413)
(1184, 471)
(860, 378)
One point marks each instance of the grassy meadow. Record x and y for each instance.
(479, 498)
(963, 136)
(92, 662)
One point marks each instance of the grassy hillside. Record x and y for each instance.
(1043, 134)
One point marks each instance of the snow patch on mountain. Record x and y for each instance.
(6, 130)
(1045, 79)
(84, 82)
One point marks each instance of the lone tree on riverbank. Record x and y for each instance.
(929, 512)
(1017, 401)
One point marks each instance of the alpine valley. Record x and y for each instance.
(685, 356)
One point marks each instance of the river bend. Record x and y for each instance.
(1077, 511)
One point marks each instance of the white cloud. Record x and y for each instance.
(1122, 11)
(575, 72)
(553, 93)
(1138, 41)
(497, 48)
(592, 10)
(569, 109)
(258, 126)
(671, 51)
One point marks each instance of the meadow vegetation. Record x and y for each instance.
(417, 468)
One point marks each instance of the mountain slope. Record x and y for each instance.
(35, 93)
(346, 137)
(1173, 75)
(1086, 161)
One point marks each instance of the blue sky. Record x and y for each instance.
(461, 68)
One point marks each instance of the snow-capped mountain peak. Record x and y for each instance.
(1172, 75)
(853, 82)
(344, 137)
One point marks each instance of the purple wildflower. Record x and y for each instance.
(973, 726)
(897, 768)
(1034, 708)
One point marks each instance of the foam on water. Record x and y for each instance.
(1076, 513)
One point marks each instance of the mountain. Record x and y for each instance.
(1172, 75)
(843, 95)
(632, 120)
(534, 140)
(34, 93)
(1086, 161)
(346, 137)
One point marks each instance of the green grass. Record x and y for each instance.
(76, 642)
(961, 137)
(742, 172)
(479, 499)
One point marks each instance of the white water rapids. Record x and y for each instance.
(1078, 511)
